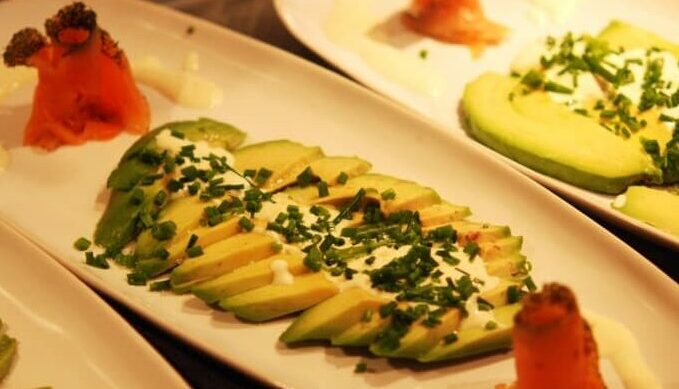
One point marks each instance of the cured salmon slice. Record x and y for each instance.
(85, 87)
(455, 21)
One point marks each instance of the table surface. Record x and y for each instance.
(258, 19)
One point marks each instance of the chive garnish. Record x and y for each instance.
(305, 177)
(342, 178)
(388, 194)
(194, 251)
(246, 224)
(82, 244)
(322, 189)
(159, 286)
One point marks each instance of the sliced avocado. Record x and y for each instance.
(443, 213)
(407, 194)
(360, 334)
(498, 295)
(333, 316)
(206, 235)
(8, 348)
(254, 275)
(221, 258)
(421, 338)
(628, 36)
(501, 247)
(480, 233)
(282, 157)
(328, 169)
(272, 301)
(474, 341)
(185, 212)
(506, 266)
(657, 207)
(547, 137)
(118, 225)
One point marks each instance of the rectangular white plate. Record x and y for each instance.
(67, 336)
(450, 67)
(55, 198)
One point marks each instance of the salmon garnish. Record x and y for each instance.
(553, 345)
(85, 87)
(455, 21)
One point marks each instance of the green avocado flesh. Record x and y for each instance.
(546, 136)
(8, 349)
(255, 261)
(577, 148)
(657, 207)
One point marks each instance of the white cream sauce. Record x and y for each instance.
(617, 344)
(14, 78)
(184, 87)
(620, 201)
(281, 273)
(351, 24)
(166, 141)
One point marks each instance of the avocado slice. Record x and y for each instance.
(475, 341)
(221, 258)
(8, 349)
(360, 334)
(657, 207)
(254, 275)
(478, 232)
(628, 36)
(284, 158)
(185, 212)
(442, 213)
(420, 338)
(119, 224)
(272, 301)
(547, 137)
(501, 247)
(506, 266)
(332, 316)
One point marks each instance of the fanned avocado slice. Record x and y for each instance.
(333, 316)
(221, 258)
(475, 341)
(272, 301)
(251, 276)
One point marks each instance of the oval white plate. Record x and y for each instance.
(454, 66)
(55, 198)
(68, 337)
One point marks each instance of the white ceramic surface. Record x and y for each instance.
(453, 64)
(67, 336)
(55, 198)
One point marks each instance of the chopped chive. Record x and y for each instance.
(174, 185)
(551, 86)
(193, 239)
(322, 189)
(136, 278)
(304, 178)
(137, 196)
(177, 134)
(263, 174)
(82, 244)
(98, 261)
(472, 249)
(164, 231)
(249, 173)
(450, 338)
(342, 178)
(361, 367)
(490, 325)
(367, 315)
(159, 286)
(277, 247)
(160, 198)
(513, 294)
(424, 53)
(194, 251)
(388, 194)
(246, 224)
(530, 284)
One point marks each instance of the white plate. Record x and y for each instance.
(454, 67)
(68, 337)
(55, 198)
